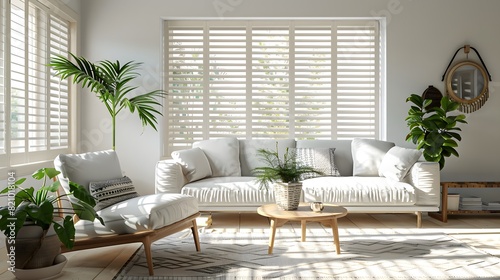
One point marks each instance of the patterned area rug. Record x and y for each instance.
(243, 255)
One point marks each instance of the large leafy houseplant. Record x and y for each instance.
(433, 129)
(109, 81)
(41, 207)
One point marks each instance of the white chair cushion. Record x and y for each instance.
(223, 155)
(397, 162)
(87, 167)
(148, 212)
(367, 155)
(194, 162)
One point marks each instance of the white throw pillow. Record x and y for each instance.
(194, 163)
(367, 155)
(397, 162)
(321, 159)
(223, 155)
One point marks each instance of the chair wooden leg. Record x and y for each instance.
(149, 256)
(196, 238)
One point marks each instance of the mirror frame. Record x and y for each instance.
(480, 98)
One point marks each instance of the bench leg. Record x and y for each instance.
(194, 230)
(419, 219)
(149, 256)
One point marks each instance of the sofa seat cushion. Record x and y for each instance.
(232, 191)
(359, 191)
(147, 212)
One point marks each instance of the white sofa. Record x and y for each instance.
(375, 176)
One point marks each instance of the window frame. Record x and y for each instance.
(381, 73)
(45, 157)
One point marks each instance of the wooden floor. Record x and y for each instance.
(483, 232)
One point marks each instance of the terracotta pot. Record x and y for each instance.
(287, 195)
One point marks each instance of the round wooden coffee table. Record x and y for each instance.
(279, 217)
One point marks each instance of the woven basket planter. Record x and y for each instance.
(287, 195)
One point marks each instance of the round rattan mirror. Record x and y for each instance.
(467, 83)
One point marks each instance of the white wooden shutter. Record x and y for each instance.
(304, 79)
(58, 89)
(314, 59)
(3, 103)
(227, 83)
(19, 79)
(39, 103)
(357, 79)
(184, 83)
(269, 80)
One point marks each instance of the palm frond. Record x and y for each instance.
(83, 72)
(145, 105)
(109, 80)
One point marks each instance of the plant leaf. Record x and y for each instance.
(81, 193)
(66, 232)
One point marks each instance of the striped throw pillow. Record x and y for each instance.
(321, 159)
(109, 192)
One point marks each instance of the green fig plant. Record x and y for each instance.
(109, 81)
(433, 129)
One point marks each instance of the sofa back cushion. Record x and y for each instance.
(194, 163)
(343, 156)
(367, 155)
(223, 155)
(248, 152)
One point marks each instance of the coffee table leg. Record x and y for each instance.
(274, 223)
(303, 227)
(335, 229)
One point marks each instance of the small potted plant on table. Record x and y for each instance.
(285, 172)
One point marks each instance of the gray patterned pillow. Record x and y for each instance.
(109, 192)
(321, 159)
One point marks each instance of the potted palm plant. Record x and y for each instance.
(35, 222)
(109, 81)
(433, 129)
(285, 172)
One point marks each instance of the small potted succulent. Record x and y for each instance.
(285, 173)
(35, 222)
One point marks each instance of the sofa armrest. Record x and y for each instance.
(425, 177)
(169, 177)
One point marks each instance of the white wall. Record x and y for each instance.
(421, 38)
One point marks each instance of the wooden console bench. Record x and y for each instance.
(443, 214)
